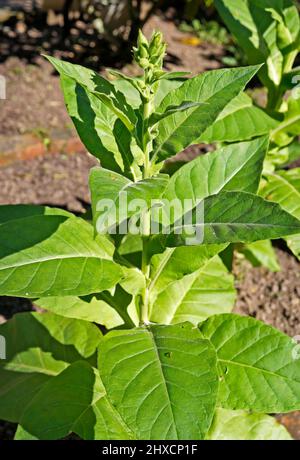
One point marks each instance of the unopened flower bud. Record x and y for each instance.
(142, 40)
(158, 73)
(156, 41)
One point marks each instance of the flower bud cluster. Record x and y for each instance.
(149, 56)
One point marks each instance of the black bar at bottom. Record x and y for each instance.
(134, 449)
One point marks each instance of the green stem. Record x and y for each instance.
(145, 294)
(147, 144)
(274, 99)
(146, 138)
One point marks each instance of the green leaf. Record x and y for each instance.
(236, 167)
(239, 425)
(105, 186)
(290, 126)
(265, 30)
(94, 124)
(10, 212)
(155, 117)
(294, 244)
(205, 292)
(120, 301)
(290, 154)
(38, 347)
(77, 399)
(175, 263)
(111, 193)
(283, 187)
(162, 380)
(127, 88)
(134, 281)
(54, 255)
(174, 75)
(117, 109)
(257, 366)
(102, 308)
(233, 217)
(216, 88)
(99, 87)
(164, 86)
(261, 253)
(88, 308)
(94, 120)
(276, 157)
(239, 121)
(23, 435)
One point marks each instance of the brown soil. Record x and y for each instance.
(59, 180)
(271, 297)
(34, 100)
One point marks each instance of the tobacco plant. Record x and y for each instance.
(269, 33)
(138, 340)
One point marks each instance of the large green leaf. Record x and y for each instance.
(74, 401)
(94, 119)
(54, 255)
(10, 212)
(239, 425)
(216, 89)
(162, 380)
(175, 263)
(236, 167)
(257, 366)
(113, 196)
(267, 30)
(283, 187)
(233, 217)
(38, 347)
(205, 292)
(239, 121)
(95, 84)
(88, 308)
(106, 308)
(164, 87)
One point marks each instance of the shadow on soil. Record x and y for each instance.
(29, 35)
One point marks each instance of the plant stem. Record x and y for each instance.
(274, 99)
(146, 141)
(147, 144)
(145, 294)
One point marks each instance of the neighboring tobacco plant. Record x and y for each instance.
(269, 32)
(173, 363)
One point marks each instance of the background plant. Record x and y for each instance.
(176, 364)
(268, 33)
